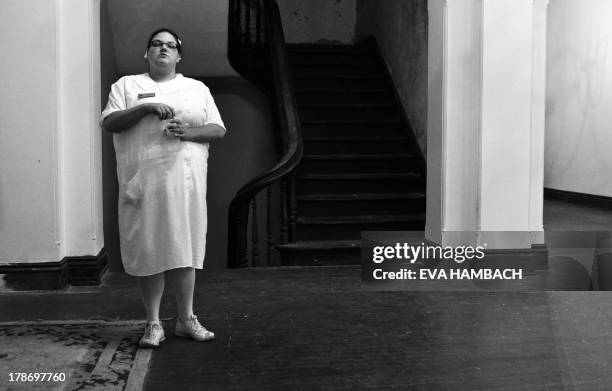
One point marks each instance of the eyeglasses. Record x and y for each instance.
(156, 43)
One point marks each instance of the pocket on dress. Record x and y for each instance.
(132, 191)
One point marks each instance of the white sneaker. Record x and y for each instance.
(193, 329)
(153, 335)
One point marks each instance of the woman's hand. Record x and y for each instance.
(163, 111)
(176, 128)
(203, 134)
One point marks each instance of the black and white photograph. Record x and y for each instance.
(306, 195)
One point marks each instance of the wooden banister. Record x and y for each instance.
(271, 44)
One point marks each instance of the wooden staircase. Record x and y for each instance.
(361, 169)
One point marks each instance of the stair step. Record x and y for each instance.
(365, 87)
(356, 122)
(361, 156)
(345, 105)
(334, 162)
(326, 48)
(350, 227)
(324, 66)
(364, 176)
(338, 76)
(361, 197)
(332, 60)
(325, 96)
(351, 112)
(356, 139)
(349, 183)
(321, 253)
(316, 94)
(329, 55)
(351, 127)
(360, 219)
(320, 245)
(348, 83)
(354, 146)
(365, 203)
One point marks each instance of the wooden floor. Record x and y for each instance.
(316, 328)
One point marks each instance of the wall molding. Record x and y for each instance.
(578, 198)
(87, 270)
(81, 270)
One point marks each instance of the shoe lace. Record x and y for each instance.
(149, 330)
(196, 324)
(194, 321)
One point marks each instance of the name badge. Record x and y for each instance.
(146, 95)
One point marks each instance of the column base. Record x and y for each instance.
(24, 276)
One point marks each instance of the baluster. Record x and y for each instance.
(269, 238)
(258, 23)
(235, 15)
(243, 218)
(255, 234)
(292, 210)
(239, 21)
(284, 213)
(248, 22)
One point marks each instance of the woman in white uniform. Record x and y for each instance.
(162, 123)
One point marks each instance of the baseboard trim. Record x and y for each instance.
(578, 198)
(83, 270)
(87, 270)
(541, 256)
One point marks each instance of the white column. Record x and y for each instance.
(454, 121)
(485, 123)
(50, 185)
(28, 213)
(435, 117)
(79, 141)
(538, 118)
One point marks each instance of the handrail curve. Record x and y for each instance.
(289, 124)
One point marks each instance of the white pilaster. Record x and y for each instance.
(485, 123)
(79, 137)
(50, 186)
(538, 119)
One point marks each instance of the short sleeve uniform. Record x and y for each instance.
(162, 180)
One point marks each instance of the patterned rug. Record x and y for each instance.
(72, 355)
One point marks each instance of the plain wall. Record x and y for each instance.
(579, 97)
(246, 151)
(318, 21)
(202, 26)
(400, 28)
(28, 183)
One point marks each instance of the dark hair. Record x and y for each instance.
(171, 32)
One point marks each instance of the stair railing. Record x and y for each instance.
(257, 50)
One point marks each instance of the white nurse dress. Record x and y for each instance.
(162, 180)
